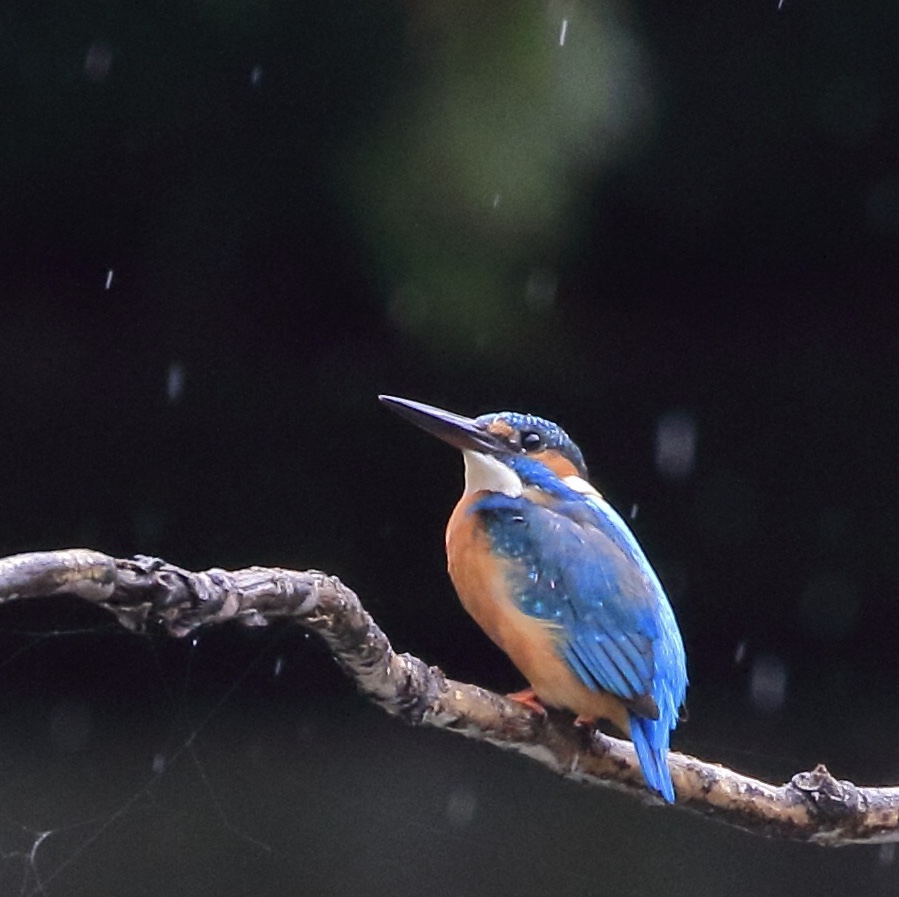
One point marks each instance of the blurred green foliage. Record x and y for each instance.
(480, 167)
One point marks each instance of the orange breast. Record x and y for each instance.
(531, 644)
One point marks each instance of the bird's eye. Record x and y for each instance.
(531, 441)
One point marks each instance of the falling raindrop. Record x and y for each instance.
(174, 384)
(540, 290)
(768, 683)
(460, 807)
(256, 76)
(98, 61)
(676, 444)
(740, 652)
(634, 509)
(563, 33)
(108, 279)
(158, 765)
(279, 665)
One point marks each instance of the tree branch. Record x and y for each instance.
(147, 593)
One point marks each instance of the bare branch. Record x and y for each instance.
(147, 593)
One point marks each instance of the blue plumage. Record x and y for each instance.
(608, 645)
(578, 566)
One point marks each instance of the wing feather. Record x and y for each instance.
(578, 566)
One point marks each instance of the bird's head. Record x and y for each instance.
(500, 448)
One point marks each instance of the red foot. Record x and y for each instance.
(529, 698)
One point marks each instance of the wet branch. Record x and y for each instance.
(146, 594)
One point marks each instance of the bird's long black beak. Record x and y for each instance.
(461, 432)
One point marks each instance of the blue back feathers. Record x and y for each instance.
(579, 567)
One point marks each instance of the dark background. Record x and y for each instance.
(672, 228)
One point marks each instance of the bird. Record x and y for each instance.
(555, 577)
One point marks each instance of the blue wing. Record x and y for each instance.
(579, 567)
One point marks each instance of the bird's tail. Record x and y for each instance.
(650, 737)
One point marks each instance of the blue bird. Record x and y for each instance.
(551, 572)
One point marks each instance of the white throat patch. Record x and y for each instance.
(581, 485)
(484, 473)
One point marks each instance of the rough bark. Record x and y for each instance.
(148, 594)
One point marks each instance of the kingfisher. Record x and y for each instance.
(555, 577)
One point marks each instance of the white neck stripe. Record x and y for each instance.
(484, 473)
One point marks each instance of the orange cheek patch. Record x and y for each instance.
(556, 462)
